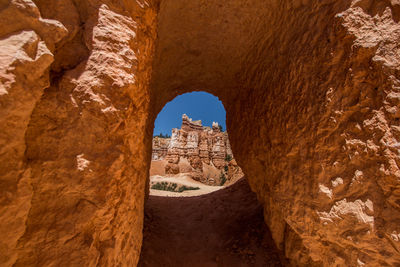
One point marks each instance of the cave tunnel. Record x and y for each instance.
(311, 94)
(200, 210)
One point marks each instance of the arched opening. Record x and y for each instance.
(200, 210)
(191, 153)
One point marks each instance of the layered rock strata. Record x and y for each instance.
(206, 149)
(160, 148)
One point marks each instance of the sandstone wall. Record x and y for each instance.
(311, 92)
(317, 82)
(333, 141)
(72, 166)
(26, 51)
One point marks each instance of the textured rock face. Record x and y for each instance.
(26, 51)
(207, 150)
(316, 81)
(311, 92)
(160, 148)
(198, 144)
(73, 80)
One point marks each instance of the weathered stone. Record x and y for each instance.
(311, 92)
(160, 148)
(205, 148)
(66, 150)
(26, 51)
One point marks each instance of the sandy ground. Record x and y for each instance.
(182, 179)
(157, 167)
(223, 228)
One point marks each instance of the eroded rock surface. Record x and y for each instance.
(160, 148)
(27, 44)
(311, 111)
(311, 92)
(202, 152)
(69, 71)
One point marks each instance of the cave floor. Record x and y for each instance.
(223, 228)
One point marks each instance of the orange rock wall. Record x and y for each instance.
(311, 92)
(76, 160)
(326, 162)
(27, 44)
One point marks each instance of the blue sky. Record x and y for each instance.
(197, 105)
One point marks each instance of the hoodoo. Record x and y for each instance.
(202, 152)
(312, 94)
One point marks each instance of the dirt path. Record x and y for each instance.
(223, 228)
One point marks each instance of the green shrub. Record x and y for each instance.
(228, 157)
(172, 187)
(185, 188)
(226, 168)
(161, 135)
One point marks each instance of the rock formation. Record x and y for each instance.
(311, 89)
(160, 148)
(206, 149)
(74, 77)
